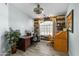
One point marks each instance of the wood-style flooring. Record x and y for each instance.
(42, 48)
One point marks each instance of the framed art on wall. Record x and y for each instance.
(70, 19)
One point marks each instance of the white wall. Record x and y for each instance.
(11, 16)
(74, 37)
(4, 25)
(19, 20)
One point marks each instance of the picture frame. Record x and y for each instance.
(70, 19)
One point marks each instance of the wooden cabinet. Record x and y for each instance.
(24, 43)
(60, 42)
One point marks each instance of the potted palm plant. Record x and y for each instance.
(13, 37)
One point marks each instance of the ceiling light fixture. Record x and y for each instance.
(38, 9)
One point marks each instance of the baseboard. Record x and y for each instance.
(3, 54)
(69, 53)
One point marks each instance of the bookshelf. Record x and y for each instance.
(60, 23)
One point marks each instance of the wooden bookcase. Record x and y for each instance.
(60, 23)
(36, 26)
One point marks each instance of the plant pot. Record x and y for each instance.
(13, 49)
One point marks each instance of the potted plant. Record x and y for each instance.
(13, 37)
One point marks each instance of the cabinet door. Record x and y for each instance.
(26, 43)
(58, 44)
(29, 42)
(64, 45)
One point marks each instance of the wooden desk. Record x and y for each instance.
(24, 43)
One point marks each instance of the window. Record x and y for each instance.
(46, 28)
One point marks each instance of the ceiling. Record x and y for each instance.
(50, 9)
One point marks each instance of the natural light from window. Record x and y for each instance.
(46, 28)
